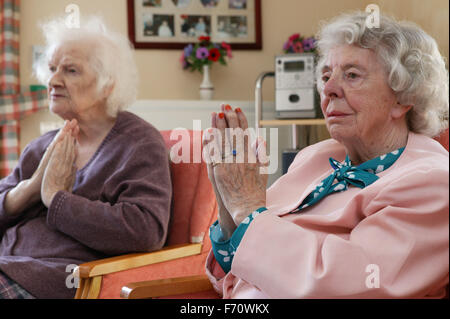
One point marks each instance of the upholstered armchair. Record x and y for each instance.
(194, 209)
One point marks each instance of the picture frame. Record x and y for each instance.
(172, 24)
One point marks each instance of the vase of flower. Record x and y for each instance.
(200, 57)
(206, 87)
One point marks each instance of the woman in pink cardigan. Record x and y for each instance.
(363, 214)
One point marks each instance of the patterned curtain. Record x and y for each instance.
(14, 104)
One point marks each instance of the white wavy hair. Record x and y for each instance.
(416, 70)
(111, 58)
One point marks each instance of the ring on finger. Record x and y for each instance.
(233, 152)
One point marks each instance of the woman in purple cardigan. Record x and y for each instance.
(98, 187)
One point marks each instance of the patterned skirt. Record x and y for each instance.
(9, 289)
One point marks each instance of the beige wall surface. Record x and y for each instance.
(161, 75)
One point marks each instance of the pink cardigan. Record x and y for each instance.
(389, 240)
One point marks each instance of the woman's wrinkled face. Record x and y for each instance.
(356, 99)
(72, 86)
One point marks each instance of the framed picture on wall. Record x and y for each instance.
(171, 24)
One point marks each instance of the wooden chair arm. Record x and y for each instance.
(166, 287)
(129, 261)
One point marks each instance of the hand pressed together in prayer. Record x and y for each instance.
(36, 178)
(234, 168)
(56, 171)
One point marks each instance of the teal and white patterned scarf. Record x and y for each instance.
(344, 174)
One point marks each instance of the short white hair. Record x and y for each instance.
(416, 70)
(111, 58)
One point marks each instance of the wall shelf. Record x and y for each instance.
(292, 122)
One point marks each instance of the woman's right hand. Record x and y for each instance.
(240, 187)
(35, 182)
(28, 191)
(226, 222)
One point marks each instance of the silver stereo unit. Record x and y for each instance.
(295, 91)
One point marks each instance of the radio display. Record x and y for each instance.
(294, 66)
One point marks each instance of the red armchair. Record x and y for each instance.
(194, 209)
(443, 139)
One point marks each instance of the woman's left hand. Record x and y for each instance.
(61, 170)
(241, 184)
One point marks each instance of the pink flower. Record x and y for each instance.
(227, 47)
(291, 43)
(298, 47)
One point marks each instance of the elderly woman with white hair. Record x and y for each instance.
(363, 214)
(98, 187)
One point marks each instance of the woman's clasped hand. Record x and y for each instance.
(241, 186)
(57, 169)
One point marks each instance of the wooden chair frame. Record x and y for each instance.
(166, 287)
(90, 274)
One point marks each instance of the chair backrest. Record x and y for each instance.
(443, 139)
(194, 206)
